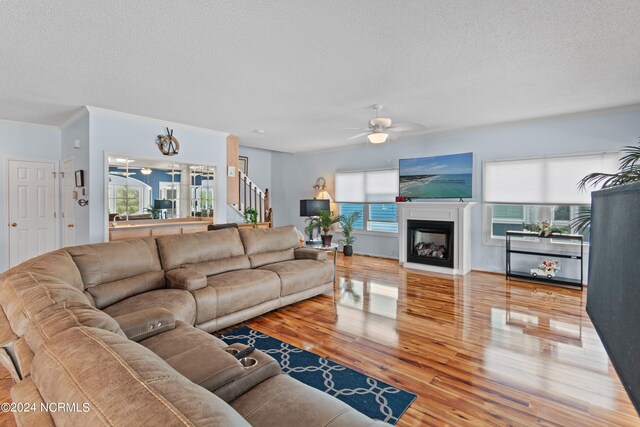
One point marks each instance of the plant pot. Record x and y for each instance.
(347, 250)
(326, 240)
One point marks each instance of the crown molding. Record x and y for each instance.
(162, 123)
(82, 111)
(30, 124)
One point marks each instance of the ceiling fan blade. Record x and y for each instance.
(407, 127)
(358, 135)
(353, 128)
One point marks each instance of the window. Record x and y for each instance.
(374, 217)
(349, 208)
(372, 193)
(543, 180)
(528, 191)
(127, 195)
(382, 217)
(505, 217)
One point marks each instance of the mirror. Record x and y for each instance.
(142, 189)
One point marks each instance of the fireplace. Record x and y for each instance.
(430, 242)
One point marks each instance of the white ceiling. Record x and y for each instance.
(302, 70)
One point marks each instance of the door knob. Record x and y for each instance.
(13, 224)
(70, 225)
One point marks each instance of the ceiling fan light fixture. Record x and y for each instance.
(378, 137)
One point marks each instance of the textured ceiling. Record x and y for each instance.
(302, 70)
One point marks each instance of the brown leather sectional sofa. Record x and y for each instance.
(118, 333)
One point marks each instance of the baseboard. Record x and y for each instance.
(376, 256)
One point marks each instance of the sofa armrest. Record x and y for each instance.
(185, 278)
(143, 324)
(310, 253)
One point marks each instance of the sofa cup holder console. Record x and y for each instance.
(248, 362)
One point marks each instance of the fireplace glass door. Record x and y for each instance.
(430, 242)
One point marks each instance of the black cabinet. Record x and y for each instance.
(538, 276)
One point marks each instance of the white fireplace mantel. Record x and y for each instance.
(459, 213)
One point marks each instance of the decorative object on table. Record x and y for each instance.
(368, 395)
(628, 172)
(80, 178)
(168, 144)
(325, 220)
(545, 228)
(243, 164)
(251, 216)
(547, 268)
(347, 228)
(310, 209)
(403, 199)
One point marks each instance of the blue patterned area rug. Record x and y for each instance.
(372, 397)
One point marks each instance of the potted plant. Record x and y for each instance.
(326, 220)
(251, 216)
(347, 228)
(155, 213)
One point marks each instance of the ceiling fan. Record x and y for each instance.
(380, 128)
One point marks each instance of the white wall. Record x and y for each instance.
(259, 166)
(115, 132)
(294, 175)
(79, 130)
(28, 141)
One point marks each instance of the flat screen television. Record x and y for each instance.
(440, 177)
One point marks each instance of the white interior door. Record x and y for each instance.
(68, 203)
(31, 209)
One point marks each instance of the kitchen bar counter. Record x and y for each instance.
(157, 227)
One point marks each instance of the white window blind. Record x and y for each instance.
(547, 180)
(367, 186)
(350, 187)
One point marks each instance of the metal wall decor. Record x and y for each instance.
(168, 144)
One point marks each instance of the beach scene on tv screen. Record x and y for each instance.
(441, 177)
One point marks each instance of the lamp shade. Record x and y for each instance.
(311, 207)
(162, 204)
(377, 137)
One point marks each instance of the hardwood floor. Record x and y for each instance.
(475, 349)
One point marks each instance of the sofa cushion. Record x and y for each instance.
(117, 270)
(237, 290)
(269, 245)
(185, 278)
(270, 403)
(179, 249)
(66, 315)
(26, 392)
(122, 383)
(197, 355)
(209, 268)
(23, 295)
(57, 264)
(177, 301)
(301, 274)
